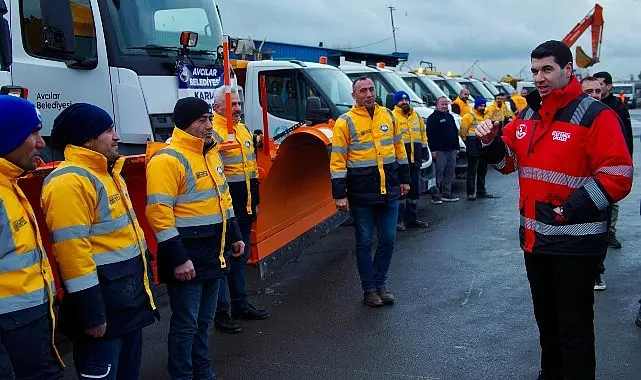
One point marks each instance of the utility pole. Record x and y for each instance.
(391, 13)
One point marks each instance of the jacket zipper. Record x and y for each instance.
(532, 140)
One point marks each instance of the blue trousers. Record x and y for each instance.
(235, 279)
(112, 359)
(373, 270)
(192, 310)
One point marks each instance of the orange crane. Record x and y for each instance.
(594, 20)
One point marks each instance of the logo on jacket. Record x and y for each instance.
(202, 174)
(414, 122)
(521, 131)
(560, 136)
(384, 128)
(114, 198)
(248, 144)
(220, 170)
(18, 224)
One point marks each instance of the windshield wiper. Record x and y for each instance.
(203, 52)
(154, 48)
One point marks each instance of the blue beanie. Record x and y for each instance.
(18, 119)
(400, 95)
(79, 123)
(479, 101)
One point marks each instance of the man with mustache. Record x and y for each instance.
(241, 171)
(459, 105)
(99, 247)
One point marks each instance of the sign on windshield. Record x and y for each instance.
(200, 82)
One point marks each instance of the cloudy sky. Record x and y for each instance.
(450, 34)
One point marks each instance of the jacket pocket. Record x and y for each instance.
(122, 284)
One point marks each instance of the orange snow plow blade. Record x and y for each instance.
(296, 204)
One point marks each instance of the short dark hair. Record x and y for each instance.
(607, 78)
(558, 50)
(586, 79)
(364, 77)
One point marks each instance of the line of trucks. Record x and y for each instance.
(122, 56)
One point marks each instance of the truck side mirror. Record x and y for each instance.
(314, 113)
(5, 39)
(57, 26)
(389, 101)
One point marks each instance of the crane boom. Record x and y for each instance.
(594, 20)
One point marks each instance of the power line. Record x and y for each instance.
(370, 44)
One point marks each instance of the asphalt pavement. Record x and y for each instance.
(463, 307)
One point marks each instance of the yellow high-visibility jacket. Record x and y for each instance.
(26, 278)
(462, 106)
(414, 134)
(189, 207)
(368, 159)
(519, 101)
(496, 113)
(98, 245)
(469, 123)
(241, 168)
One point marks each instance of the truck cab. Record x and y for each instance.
(476, 88)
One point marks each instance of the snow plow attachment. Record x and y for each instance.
(296, 204)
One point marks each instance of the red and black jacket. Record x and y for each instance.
(569, 151)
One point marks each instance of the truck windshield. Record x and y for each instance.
(336, 86)
(398, 84)
(616, 89)
(141, 26)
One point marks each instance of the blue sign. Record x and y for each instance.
(200, 82)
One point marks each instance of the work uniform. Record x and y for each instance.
(476, 164)
(241, 170)
(368, 165)
(102, 257)
(189, 209)
(27, 289)
(570, 153)
(414, 135)
(460, 106)
(519, 101)
(501, 114)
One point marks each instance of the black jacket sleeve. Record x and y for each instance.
(624, 114)
(432, 139)
(456, 109)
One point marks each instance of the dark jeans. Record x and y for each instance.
(26, 350)
(235, 278)
(408, 205)
(563, 297)
(192, 309)
(373, 271)
(112, 359)
(476, 172)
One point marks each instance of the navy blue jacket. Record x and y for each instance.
(442, 133)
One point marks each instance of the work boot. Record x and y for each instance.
(599, 284)
(226, 324)
(471, 197)
(614, 242)
(638, 320)
(437, 200)
(372, 299)
(400, 226)
(485, 195)
(250, 313)
(418, 223)
(450, 198)
(386, 297)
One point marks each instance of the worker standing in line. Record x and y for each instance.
(369, 172)
(573, 165)
(27, 319)
(459, 105)
(99, 247)
(621, 97)
(607, 98)
(476, 164)
(241, 171)
(519, 100)
(414, 135)
(190, 211)
(499, 111)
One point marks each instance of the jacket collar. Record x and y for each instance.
(9, 171)
(556, 99)
(182, 139)
(220, 125)
(89, 159)
(362, 111)
(400, 111)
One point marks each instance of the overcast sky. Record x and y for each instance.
(450, 34)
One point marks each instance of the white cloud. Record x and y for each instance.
(452, 35)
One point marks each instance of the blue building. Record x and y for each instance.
(287, 51)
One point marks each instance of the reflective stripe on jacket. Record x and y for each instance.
(188, 200)
(569, 152)
(496, 113)
(240, 163)
(414, 134)
(26, 278)
(469, 123)
(368, 159)
(98, 244)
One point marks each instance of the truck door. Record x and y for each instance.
(284, 108)
(59, 55)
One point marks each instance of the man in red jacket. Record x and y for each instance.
(573, 164)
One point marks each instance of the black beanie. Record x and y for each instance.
(188, 110)
(79, 123)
